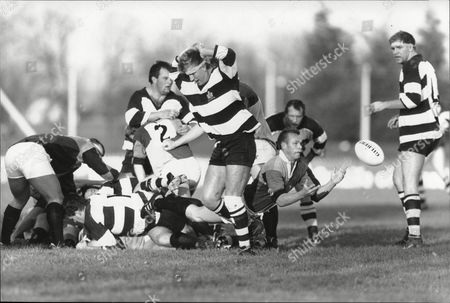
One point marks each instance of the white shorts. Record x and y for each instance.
(27, 160)
(187, 166)
(264, 151)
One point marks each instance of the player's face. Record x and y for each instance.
(198, 74)
(292, 148)
(163, 83)
(294, 116)
(401, 51)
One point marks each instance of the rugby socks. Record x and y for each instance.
(238, 212)
(309, 215)
(412, 210)
(270, 220)
(55, 214)
(10, 218)
(182, 240)
(222, 210)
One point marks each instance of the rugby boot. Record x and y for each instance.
(413, 242)
(404, 239)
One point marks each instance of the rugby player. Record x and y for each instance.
(418, 127)
(178, 161)
(208, 78)
(286, 179)
(143, 108)
(47, 162)
(314, 141)
(132, 214)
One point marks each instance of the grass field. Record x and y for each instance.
(357, 262)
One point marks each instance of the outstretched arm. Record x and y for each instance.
(195, 132)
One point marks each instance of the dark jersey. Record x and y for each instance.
(310, 130)
(68, 153)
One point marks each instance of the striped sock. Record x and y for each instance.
(309, 213)
(222, 210)
(236, 207)
(412, 206)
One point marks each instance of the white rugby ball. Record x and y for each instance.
(369, 152)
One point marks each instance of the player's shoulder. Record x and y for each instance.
(139, 94)
(309, 122)
(275, 163)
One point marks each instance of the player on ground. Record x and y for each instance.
(315, 139)
(47, 163)
(418, 127)
(286, 179)
(208, 78)
(143, 108)
(117, 215)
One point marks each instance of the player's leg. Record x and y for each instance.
(439, 164)
(412, 164)
(27, 223)
(20, 190)
(421, 189)
(202, 214)
(213, 187)
(270, 220)
(397, 178)
(169, 231)
(308, 213)
(188, 167)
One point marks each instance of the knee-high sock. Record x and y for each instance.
(270, 219)
(309, 213)
(236, 208)
(10, 218)
(55, 214)
(412, 206)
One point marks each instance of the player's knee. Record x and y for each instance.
(211, 198)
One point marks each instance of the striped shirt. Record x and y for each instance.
(121, 214)
(419, 94)
(217, 106)
(139, 109)
(310, 131)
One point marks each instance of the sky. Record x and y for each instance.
(242, 21)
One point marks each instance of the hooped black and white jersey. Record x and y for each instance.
(419, 94)
(121, 214)
(217, 106)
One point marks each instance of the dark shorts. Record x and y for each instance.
(240, 149)
(127, 164)
(171, 220)
(423, 147)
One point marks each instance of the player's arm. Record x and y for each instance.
(139, 156)
(92, 159)
(336, 177)
(193, 133)
(276, 187)
(320, 140)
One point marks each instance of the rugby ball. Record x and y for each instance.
(369, 152)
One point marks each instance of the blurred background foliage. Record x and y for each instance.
(35, 51)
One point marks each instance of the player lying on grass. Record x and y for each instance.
(132, 214)
(286, 179)
(36, 221)
(47, 163)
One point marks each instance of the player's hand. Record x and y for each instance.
(375, 107)
(393, 122)
(309, 190)
(338, 175)
(168, 114)
(168, 144)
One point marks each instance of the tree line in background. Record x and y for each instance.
(331, 96)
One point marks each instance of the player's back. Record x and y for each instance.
(121, 214)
